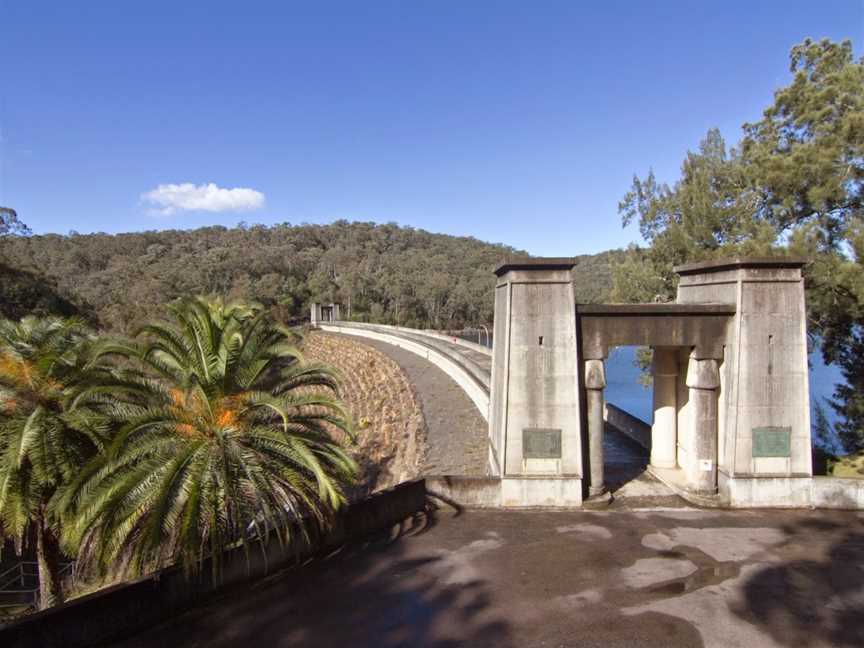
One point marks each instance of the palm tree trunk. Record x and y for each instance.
(48, 557)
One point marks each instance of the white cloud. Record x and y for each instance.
(167, 199)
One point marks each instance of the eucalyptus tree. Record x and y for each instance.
(10, 224)
(45, 435)
(224, 435)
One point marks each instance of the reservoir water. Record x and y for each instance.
(623, 388)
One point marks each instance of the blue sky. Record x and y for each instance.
(514, 122)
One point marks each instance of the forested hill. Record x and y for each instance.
(386, 273)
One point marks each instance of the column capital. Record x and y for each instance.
(708, 351)
(665, 362)
(592, 351)
(703, 374)
(595, 374)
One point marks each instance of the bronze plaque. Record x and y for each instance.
(772, 442)
(541, 443)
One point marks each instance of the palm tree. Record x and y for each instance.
(223, 435)
(44, 438)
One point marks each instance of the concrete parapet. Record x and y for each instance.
(473, 346)
(467, 374)
(441, 343)
(527, 491)
(438, 335)
(541, 491)
(792, 492)
(837, 493)
(466, 492)
(629, 425)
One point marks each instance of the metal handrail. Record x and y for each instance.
(483, 326)
(19, 573)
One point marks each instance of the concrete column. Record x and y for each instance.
(664, 429)
(595, 383)
(535, 422)
(703, 380)
(315, 315)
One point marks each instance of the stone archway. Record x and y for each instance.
(733, 400)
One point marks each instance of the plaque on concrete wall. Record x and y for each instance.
(541, 443)
(772, 442)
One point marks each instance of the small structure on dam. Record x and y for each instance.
(324, 313)
(731, 395)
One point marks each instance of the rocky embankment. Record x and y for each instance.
(391, 432)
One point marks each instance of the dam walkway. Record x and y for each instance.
(452, 377)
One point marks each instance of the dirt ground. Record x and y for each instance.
(456, 433)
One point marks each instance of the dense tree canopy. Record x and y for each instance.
(384, 273)
(793, 185)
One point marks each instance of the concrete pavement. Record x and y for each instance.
(669, 577)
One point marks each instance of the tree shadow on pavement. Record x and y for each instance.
(812, 600)
(385, 592)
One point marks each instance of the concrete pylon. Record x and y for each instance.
(763, 420)
(535, 419)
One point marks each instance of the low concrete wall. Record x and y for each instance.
(524, 491)
(427, 332)
(452, 338)
(470, 377)
(467, 492)
(792, 492)
(837, 493)
(109, 615)
(433, 339)
(629, 425)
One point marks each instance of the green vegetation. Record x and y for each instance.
(44, 437)
(793, 185)
(382, 273)
(201, 433)
(850, 466)
(206, 427)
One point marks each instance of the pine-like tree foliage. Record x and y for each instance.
(224, 435)
(794, 185)
(44, 437)
(849, 398)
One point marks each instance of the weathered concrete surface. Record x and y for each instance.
(595, 382)
(764, 381)
(514, 579)
(701, 325)
(535, 370)
(456, 434)
(664, 428)
(625, 462)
